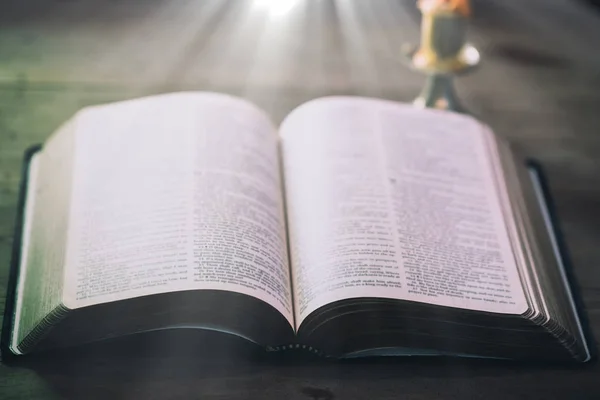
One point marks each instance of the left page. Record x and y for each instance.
(43, 241)
(176, 192)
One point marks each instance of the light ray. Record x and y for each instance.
(276, 8)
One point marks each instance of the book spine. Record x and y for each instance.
(296, 347)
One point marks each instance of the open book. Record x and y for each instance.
(360, 227)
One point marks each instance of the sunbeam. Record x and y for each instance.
(276, 8)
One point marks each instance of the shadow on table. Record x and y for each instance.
(184, 363)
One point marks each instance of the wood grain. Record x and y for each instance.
(539, 86)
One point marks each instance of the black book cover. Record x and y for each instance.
(538, 176)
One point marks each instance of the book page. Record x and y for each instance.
(177, 192)
(17, 332)
(45, 230)
(388, 201)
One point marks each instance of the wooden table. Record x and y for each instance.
(539, 86)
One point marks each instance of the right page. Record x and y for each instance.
(389, 201)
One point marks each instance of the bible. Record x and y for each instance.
(358, 227)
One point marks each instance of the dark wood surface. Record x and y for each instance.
(539, 85)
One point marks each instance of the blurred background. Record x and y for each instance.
(279, 53)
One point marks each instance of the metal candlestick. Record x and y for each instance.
(443, 53)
